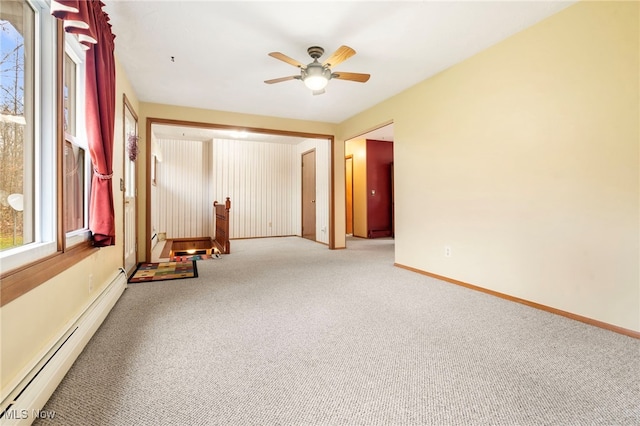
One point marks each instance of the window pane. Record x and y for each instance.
(69, 95)
(74, 179)
(76, 154)
(17, 152)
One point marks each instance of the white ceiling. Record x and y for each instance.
(220, 48)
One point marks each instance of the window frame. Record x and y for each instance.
(42, 176)
(50, 258)
(76, 53)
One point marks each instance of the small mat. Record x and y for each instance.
(164, 271)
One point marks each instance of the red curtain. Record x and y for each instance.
(90, 23)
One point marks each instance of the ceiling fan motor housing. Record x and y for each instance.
(315, 51)
(316, 69)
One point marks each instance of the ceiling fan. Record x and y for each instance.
(316, 75)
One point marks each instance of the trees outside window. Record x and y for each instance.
(17, 122)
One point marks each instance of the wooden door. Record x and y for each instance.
(348, 173)
(309, 195)
(129, 188)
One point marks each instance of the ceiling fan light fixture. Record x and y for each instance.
(316, 77)
(316, 82)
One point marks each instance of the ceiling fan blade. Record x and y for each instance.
(318, 92)
(351, 76)
(287, 59)
(342, 54)
(281, 79)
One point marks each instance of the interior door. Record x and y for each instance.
(129, 187)
(309, 195)
(348, 173)
(379, 189)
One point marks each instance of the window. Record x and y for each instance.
(76, 161)
(27, 134)
(38, 217)
(16, 126)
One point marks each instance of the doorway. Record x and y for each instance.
(130, 226)
(309, 195)
(369, 192)
(259, 168)
(348, 174)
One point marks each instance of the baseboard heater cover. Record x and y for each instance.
(24, 403)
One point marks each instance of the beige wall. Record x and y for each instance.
(33, 322)
(527, 160)
(170, 112)
(358, 149)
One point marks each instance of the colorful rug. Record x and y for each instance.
(164, 271)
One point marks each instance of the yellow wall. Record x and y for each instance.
(524, 160)
(170, 112)
(33, 322)
(358, 149)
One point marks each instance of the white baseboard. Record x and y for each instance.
(24, 404)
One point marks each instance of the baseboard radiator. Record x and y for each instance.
(23, 404)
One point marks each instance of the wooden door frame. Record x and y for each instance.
(346, 158)
(150, 121)
(302, 154)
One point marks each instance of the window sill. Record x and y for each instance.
(19, 281)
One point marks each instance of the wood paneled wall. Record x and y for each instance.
(262, 179)
(182, 199)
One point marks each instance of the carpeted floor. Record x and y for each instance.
(286, 332)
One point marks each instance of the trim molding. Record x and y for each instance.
(586, 320)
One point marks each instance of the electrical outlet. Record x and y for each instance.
(447, 251)
(90, 283)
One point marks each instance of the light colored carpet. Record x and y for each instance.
(286, 332)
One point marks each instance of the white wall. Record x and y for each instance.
(182, 197)
(263, 181)
(260, 178)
